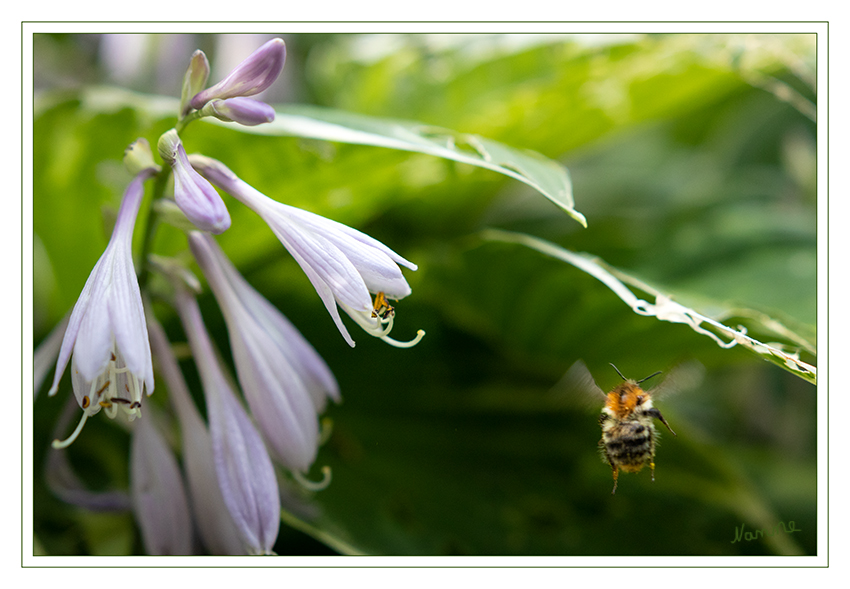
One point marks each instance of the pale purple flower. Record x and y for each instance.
(159, 499)
(46, 353)
(245, 111)
(252, 76)
(284, 379)
(242, 464)
(195, 196)
(215, 525)
(343, 264)
(111, 355)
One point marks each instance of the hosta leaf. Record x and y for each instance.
(546, 176)
(665, 308)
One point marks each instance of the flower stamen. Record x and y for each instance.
(311, 485)
(393, 342)
(382, 308)
(69, 440)
(101, 389)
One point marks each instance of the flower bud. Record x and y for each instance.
(245, 111)
(167, 146)
(252, 76)
(195, 79)
(138, 157)
(195, 196)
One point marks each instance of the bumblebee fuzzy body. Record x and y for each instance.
(628, 418)
(628, 430)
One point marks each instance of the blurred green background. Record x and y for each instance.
(693, 159)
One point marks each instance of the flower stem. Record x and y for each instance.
(151, 225)
(181, 124)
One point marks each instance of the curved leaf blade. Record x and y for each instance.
(548, 177)
(664, 308)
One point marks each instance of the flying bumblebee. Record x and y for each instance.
(628, 430)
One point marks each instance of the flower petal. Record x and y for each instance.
(215, 525)
(256, 73)
(245, 472)
(159, 500)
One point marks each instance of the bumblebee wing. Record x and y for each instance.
(683, 377)
(577, 388)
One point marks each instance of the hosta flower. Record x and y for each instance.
(245, 111)
(159, 499)
(252, 76)
(242, 464)
(215, 525)
(111, 364)
(343, 264)
(284, 380)
(196, 198)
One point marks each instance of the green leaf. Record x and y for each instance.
(666, 309)
(548, 177)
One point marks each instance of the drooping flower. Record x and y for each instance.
(195, 196)
(215, 525)
(343, 264)
(256, 73)
(284, 380)
(159, 498)
(242, 464)
(106, 332)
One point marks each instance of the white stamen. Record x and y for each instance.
(314, 486)
(419, 335)
(111, 410)
(59, 445)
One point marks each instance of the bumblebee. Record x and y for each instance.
(628, 429)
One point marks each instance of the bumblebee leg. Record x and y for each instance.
(603, 448)
(652, 470)
(657, 415)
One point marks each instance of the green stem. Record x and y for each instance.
(181, 124)
(152, 224)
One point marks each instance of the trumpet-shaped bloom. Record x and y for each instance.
(242, 464)
(284, 380)
(195, 196)
(159, 499)
(252, 76)
(106, 332)
(343, 264)
(215, 525)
